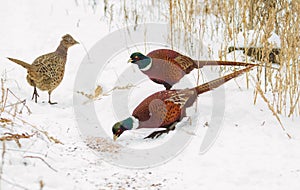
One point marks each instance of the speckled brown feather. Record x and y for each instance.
(47, 71)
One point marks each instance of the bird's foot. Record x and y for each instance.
(49, 100)
(35, 95)
(156, 134)
(52, 103)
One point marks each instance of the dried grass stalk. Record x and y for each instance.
(259, 90)
(15, 137)
(97, 92)
(42, 161)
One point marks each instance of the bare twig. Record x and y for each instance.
(21, 150)
(295, 104)
(41, 160)
(4, 100)
(2, 161)
(2, 91)
(128, 86)
(50, 138)
(19, 102)
(15, 184)
(259, 90)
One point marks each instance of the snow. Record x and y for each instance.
(250, 151)
(252, 38)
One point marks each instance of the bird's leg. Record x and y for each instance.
(157, 134)
(51, 103)
(35, 95)
(167, 86)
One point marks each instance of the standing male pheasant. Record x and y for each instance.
(167, 67)
(166, 108)
(47, 71)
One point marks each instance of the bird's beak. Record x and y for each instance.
(115, 137)
(76, 42)
(129, 61)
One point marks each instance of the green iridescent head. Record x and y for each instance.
(121, 126)
(141, 60)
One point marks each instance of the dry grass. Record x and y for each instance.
(11, 110)
(98, 93)
(263, 17)
(93, 96)
(11, 125)
(259, 90)
(260, 16)
(15, 137)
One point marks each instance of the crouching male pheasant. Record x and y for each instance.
(166, 108)
(167, 67)
(47, 71)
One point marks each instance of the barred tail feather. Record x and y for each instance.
(218, 82)
(19, 62)
(200, 64)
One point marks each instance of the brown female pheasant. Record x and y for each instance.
(167, 67)
(166, 108)
(47, 71)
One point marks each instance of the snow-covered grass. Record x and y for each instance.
(251, 152)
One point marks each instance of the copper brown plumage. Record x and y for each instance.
(167, 67)
(166, 108)
(47, 71)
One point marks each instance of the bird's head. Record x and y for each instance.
(143, 61)
(121, 126)
(137, 56)
(68, 41)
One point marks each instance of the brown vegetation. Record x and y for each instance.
(263, 17)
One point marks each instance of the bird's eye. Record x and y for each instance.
(136, 57)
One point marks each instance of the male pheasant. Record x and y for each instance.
(167, 67)
(47, 71)
(166, 108)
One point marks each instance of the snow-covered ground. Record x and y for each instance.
(251, 151)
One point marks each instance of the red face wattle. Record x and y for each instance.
(136, 57)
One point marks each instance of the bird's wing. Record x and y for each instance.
(184, 62)
(181, 97)
(163, 113)
(48, 64)
(170, 110)
(44, 59)
(158, 112)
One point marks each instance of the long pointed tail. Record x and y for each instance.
(218, 82)
(19, 62)
(200, 64)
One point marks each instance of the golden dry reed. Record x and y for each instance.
(262, 17)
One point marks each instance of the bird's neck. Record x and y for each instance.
(135, 123)
(62, 50)
(145, 64)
